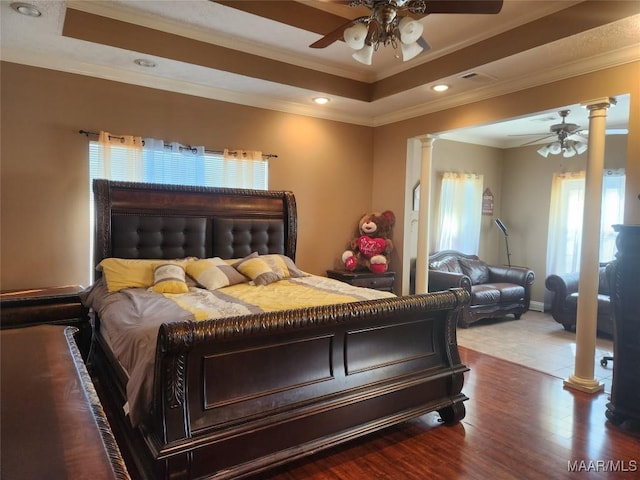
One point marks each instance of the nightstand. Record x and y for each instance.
(51, 305)
(378, 281)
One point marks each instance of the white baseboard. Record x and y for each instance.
(536, 306)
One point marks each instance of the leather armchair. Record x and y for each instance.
(564, 304)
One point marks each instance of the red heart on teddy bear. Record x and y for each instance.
(371, 246)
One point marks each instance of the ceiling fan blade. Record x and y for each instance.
(537, 140)
(335, 35)
(464, 6)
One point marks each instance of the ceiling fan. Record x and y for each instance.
(569, 140)
(395, 23)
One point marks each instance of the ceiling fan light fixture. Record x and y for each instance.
(580, 147)
(555, 148)
(544, 151)
(569, 152)
(356, 35)
(410, 31)
(410, 51)
(364, 55)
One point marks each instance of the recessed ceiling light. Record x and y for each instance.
(26, 9)
(321, 100)
(144, 62)
(440, 88)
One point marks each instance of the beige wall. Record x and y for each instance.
(44, 177)
(328, 165)
(525, 202)
(390, 141)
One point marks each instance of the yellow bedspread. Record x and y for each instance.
(245, 298)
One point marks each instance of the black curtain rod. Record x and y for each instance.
(183, 147)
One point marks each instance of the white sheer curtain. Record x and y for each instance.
(460, 212)
(564, 239)
(116, 157)
(565, 222)
(243, 168)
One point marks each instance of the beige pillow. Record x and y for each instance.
(266, 269)
(214, 273)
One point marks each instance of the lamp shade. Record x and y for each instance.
(555, 148)
(410, 51)
(569, 151)
(581, 147)
(355, 35)
(544, 151)
(364, 55)
(410, 30)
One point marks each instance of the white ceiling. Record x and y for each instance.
(40, 42)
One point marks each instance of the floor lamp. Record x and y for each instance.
(506, 240)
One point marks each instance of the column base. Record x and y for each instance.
(587, 385)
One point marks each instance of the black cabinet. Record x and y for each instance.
(623, 274)
(378, 281)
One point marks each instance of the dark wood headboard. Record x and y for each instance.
(144, 220)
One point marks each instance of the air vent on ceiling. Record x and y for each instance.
(477, 77)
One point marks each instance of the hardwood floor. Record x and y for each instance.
(520, 424)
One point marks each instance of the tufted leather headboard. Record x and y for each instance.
(143, 220)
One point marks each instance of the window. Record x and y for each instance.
(565, 219)
(175, 165)
(460, 212)
(131, 159)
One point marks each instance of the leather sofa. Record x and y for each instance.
(564, 304)
(496, 291)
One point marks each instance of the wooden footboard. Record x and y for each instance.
(241, 395)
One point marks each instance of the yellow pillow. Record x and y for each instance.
(214, 273)
(169, 278)
(120, 273)
(259, 271)
(266, 269)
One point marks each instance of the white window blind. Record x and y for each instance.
(170, 167)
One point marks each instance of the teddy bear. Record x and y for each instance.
(370, 250)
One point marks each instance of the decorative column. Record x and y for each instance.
(587, 312)
(422, 264)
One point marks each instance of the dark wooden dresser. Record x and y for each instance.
(53, 426)
(624, 280)
(50, 305)
(378, 281)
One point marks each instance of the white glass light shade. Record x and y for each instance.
(364, 55)
(544, 151)
(581, 147)
(355, 35)
(410, 30)
(569, 152)
(555, 148)
(410, 51)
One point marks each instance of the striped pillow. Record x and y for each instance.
(266, 269)
(169, 278)
(214, 273)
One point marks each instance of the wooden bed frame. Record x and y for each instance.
(238, 396)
